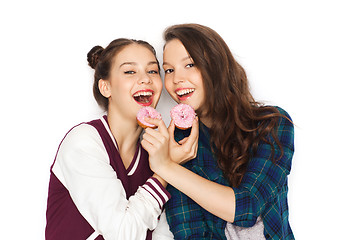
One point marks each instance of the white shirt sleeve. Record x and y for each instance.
(82, 166)
(162, 231)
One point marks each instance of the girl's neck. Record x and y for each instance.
(204, 118)
(125, 131)
(206, 121)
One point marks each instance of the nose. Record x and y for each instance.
(144, 79)
(178, 77)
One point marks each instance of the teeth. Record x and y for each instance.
(138, 94)
(184, 91)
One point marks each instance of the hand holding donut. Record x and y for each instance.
(161, 144)
(183, 117)
(187, 148)
(156, 143)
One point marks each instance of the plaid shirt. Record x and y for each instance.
(262, 192)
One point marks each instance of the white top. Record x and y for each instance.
(255, 232)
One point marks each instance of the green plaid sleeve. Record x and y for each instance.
(263, 190)
(187, 220)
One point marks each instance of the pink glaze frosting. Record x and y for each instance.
(183, 115)
(147, 112)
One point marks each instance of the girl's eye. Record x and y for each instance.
(129, 72)
(169, 71)
(153, 72)
(190, 65)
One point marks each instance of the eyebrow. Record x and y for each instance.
(128, 63)
(134, 63)
(183, 59)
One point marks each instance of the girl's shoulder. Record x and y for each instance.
(283, 112)
(277, 112)
(82, 135)
(282, 120)
(270, 109)
(285, 123)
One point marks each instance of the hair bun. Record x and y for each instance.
(93, 56)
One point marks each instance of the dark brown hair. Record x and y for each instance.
(101, 60)
(229, 100)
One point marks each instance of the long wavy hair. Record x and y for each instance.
(239, 122)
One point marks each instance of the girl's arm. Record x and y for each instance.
(162, 231)
(82, 166)
(261, 183)
(215, 198)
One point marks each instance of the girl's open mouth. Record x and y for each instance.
(144, 97)
(184, 93)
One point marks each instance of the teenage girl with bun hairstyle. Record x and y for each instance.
(101, 186)
(235, 186)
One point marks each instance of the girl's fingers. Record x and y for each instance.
(153, 140)
(156, 134)
(145, 144)
(194, 134)
(183, 141)
(171, 129)
(160, 124)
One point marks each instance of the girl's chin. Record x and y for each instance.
(187, 102)
(154, 104)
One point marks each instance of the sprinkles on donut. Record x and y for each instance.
(183, 116)
(147, 112)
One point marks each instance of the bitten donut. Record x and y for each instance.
(147, 112)
(182, 115)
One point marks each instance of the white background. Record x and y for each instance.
(293, 52)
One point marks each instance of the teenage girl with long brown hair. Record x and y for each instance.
(101, 186)
(233, 182)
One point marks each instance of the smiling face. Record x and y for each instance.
(183, 80)
(134, 81)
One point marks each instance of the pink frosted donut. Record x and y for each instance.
(183, 116)
(147, 112)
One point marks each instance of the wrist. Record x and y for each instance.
(163, 168)
(161, 180)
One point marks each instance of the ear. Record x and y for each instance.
(104, 88)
